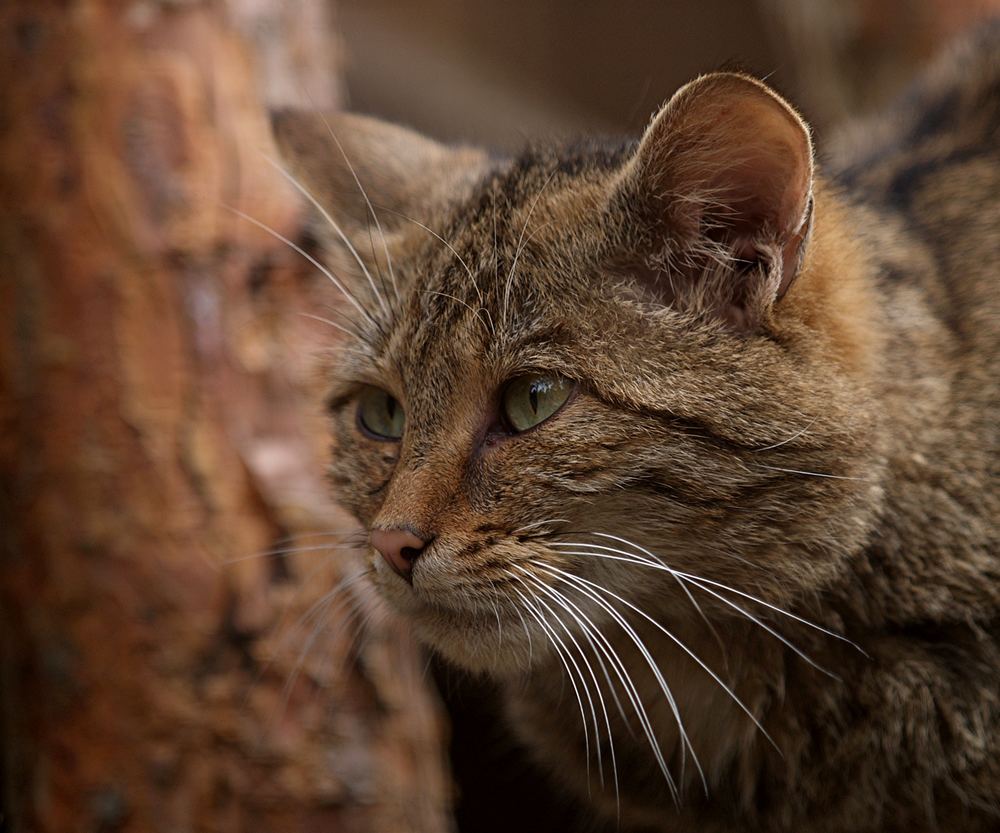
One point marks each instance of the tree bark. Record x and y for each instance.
(160, 424)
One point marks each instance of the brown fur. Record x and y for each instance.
(786, 385)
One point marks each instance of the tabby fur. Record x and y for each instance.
(796, 399)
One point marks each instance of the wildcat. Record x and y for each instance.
(689, 444)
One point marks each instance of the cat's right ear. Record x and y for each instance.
(357, 168)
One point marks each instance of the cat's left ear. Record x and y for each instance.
(355, 171)
(723, 182)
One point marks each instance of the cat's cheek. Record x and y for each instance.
(346, 494)
(393, 590)
(360, 476)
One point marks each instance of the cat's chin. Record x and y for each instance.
(475, 641)
(483, 641)
(479, 649)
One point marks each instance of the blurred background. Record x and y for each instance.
(183, 646)
(500, 72)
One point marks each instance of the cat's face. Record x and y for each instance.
(577, 383)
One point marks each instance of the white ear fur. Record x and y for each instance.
(726, 168)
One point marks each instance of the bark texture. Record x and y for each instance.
(161, 423)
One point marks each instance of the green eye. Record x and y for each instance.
(380, 414)
(530, 400)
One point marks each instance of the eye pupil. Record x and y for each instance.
(531, 399)
(380, 414)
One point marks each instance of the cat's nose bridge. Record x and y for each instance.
(418, 493)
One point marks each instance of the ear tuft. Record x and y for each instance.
(725, 172)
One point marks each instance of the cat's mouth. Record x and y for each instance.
(480, 625)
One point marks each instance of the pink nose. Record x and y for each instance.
(399, 547)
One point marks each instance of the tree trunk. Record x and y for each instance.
(160, 426)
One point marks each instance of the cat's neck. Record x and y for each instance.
(735, 693)
(932, 375)
(877, 296)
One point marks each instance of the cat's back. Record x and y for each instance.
(929, 171)
(923, 185)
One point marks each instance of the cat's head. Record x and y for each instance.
(591, 372)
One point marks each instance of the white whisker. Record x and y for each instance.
(473, 310)
(664, 687)
(696, 582)
(815, 474)
(685, 745)
(318, 610)
(333, 223)
(680, 583)
(559, 648)
(794, 648)
(629, 558)
(526, 527)
(586, 623)
(775, 608)
(282, 553)
(519, 248)
(451, 248)
(586, 688)
(527, 634)
(378, 266)
(582, 581)
(587, 627)
(496, 610)
(295, 247)
(496, 251)
(345, 330)
(792, 438)
(368, 202)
